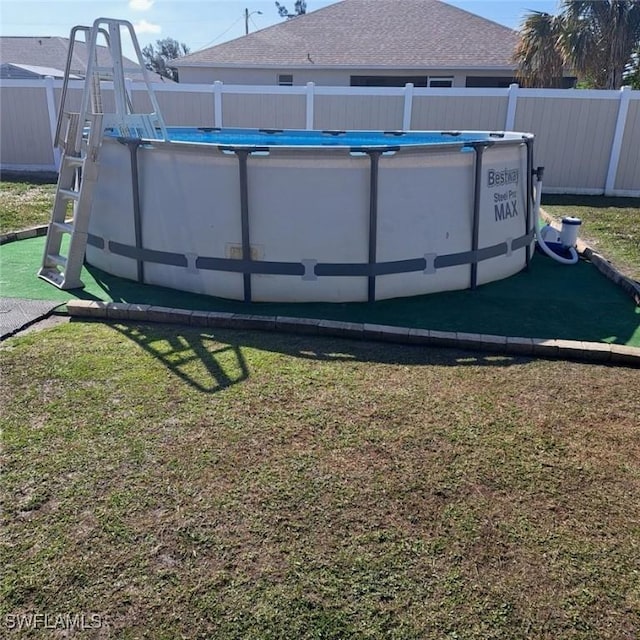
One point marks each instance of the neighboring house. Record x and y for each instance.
(365, 43)
(11, 71)
(27, 57)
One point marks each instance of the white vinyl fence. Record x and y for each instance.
(587, 140)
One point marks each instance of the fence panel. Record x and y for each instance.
(343, 112)
(26, 132)
(179, 108)
(628, 176)
(587, 140)
(471, 112)
(265, 111)
(573, 136)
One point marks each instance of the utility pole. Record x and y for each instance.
(247, 15)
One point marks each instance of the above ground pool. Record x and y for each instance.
(301, 216)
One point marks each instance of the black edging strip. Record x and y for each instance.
(95, 241)
(148, 255)
(364, 269)
(523, 241)
(250, 266)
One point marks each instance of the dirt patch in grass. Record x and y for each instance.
(241, 485)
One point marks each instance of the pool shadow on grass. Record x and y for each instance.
(212, 360)
(549, 301)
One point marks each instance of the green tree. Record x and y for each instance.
(158, 57)
(299, 8)
(596, 38)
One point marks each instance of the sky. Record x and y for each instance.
(200, 23)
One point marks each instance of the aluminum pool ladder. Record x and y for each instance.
(79, 136)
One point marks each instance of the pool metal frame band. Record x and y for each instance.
(311, 269)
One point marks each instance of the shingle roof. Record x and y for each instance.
(371, 33)
(27, 71)
(51, 51)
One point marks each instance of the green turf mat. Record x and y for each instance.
(548, 301)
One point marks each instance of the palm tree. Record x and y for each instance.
(597, 38)
(632, 72)
(539, 57)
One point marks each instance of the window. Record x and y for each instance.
(474, 82)
(400, 81)
(440, 81)
(388, 81)
(285, 79)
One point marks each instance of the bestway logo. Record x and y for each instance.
(502, 177)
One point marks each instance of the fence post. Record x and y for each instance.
(53, 118)
(217, 104)
(310, 104)
(512, 103)
(616, 147)
(408, 106)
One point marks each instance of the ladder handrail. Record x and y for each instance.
(67, 73)
(123, 105)
(147, 81)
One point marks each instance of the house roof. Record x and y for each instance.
(11, 70)
(363, 33)
(51, 51)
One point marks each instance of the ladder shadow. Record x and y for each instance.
(198, 359)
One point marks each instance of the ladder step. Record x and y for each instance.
(51, 275)
(112, 69)
(65, 227)
(70, 194)
(74, 161)
(57, 259)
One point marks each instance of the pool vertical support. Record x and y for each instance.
(479, 148)
(527, 223)
(243, 155)
(374, 157)
(133, 145)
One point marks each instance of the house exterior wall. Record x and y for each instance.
(321, 77)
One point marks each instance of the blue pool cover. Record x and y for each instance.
(299, 138)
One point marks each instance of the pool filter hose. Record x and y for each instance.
(568, 235)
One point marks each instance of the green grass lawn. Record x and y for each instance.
(25, 204)
(167, 483)
(180, 484)
(611, 226)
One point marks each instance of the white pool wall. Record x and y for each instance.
(305, 206)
